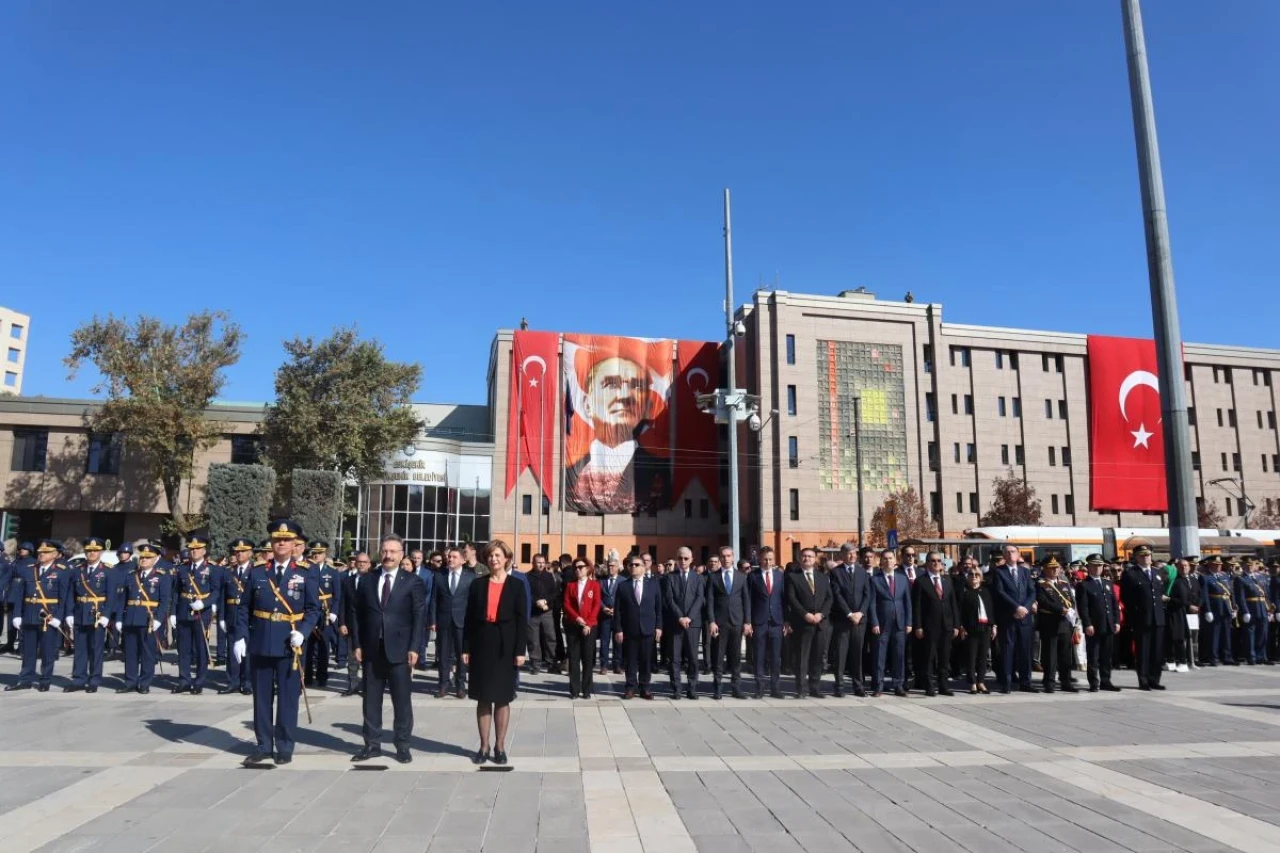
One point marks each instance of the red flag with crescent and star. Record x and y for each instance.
(533, 407)
(1127, 434)
(697, 441)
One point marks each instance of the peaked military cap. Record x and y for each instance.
(198, 539)
(284, 528)
(94, 543)
(48, 546)
(150, 548)
(240, 545)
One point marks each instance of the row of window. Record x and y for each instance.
(970, 455)
(1004, 405)
(1222, 375)
(104, 452)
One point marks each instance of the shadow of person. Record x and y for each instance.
(420, 744)
(308, 736)
(198, 735)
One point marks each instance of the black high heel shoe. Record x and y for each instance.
(499, 757)
(481, 756)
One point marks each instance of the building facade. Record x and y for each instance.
(947, 408)
(15, 329)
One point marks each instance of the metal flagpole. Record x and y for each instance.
(564, 439)
(732, 377)
(1184, 533)
(515, 534)
(542, 426)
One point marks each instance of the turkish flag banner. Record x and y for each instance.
(532, 407)
(1127, 471)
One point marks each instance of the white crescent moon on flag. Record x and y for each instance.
(698, 371)
(1133, 380)
(524, 365)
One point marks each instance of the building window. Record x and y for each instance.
(1271, 419)
(1004, 454)
(968, 404)
(1062, 409)
(1226, 375)
(791, 400)
(1057, 364)
(1048, 409)
(526, 504)
(1217, 375)
(1066, 457)
(1191, 415)
(1220, 421)
(1019, 457)
(104, 453)
(599, 555)
(1017, 407)
(791, 349)
(793, 451)
(999, 359)
(1195, 460)
(30, 449)
(928, 358)
(1053, 457)
(10, 379)
(1231, 417)
(960, 354)
(1264, 463)
(973, 502)
(1053, 503)
(1275, 461)
(1186, 372)
(795, 504)
(244, 449)
(955, 404)
(1235, 461)
(688, 508)
(1013, 360)
(1069, 504)
(526, 553)
(704, 508)
(14, 355)
(1000, 407)
(1044, 362)
(957, 446)
(1259, 418)
(959, 501)
(930, 407)
(971, 453)
(1224, 461)
(935, 505)
(16, 331)
(1227, 501)
(934, 459)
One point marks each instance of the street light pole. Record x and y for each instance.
(857, 461)
(1184, 533)
(732, 378)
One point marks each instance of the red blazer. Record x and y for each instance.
(590, 603)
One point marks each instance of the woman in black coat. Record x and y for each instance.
(493, 646)
(1184, 598)
(977, 628)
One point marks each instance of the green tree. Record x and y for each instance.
(1014, 503)
(340, 406)
(158, 380)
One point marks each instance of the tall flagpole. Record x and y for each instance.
(732, 378)
(564, 439)
(542, 455)
(1184, 527)
(515, 534)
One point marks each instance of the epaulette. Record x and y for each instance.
(258, 563)
(303, 564)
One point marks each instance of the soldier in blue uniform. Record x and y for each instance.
(25, 557)
(92, 601)
(1273, 605)
(325, 636)
(118, 574)
(279, 608)
(7, 568)
(1252, 602)
(141, 607)
(234, 579)
(1219, 611)
(196, 593)
(39, 598)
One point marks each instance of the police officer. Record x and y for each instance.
(1219, 611)
(196, 593)
(91, 603)
(325, 636)
(39, 599)
(234, 579)
(1056, 621)
(282, 603)
(25, 557)
(141, 607)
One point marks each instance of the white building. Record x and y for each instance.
(15, 328)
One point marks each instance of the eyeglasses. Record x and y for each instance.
(934, 560)
(579, 565)
(975, 574)
(635, 565)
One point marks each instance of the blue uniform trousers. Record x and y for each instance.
(1257, 629)
(141, 651)
(267, 672)
(1219, 632)
(192, 650)
(41, 644)
(86, 666)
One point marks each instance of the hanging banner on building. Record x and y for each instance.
(697, 453)
(531, 421)
(1126, 436)
(617, 424)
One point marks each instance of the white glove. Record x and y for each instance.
(237, 650)
(1208, 617)
(1071, 617)
(173, 621)
(1247, 617)
(57, 623)
(71, 621)
(197, 606)
(333, 617)
(295, 639)
(213, 608)
(155, 625)
(222, 625)
(17, 622)
(102, 622)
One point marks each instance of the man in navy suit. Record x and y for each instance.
(1015, 602)
(766, 623)
(637, 626)
(808, 608)
(890, 618)
(608, 595)
(851, 593)
(449, 618)
(684, 605)
(390, 618)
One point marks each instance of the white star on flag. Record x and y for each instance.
(1141, 436)
(533, 383)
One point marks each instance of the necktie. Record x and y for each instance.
(453, 582)
(890, 579)
(279, 574)
(728, 582)
(386, 589)
(768, 582)
(639, 587)
(809, 577)
(937, 585)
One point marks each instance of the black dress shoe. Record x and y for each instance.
(930, 692)
(737, 693)
(181, 688)
(629, 694)
(838, 693)
(144, 690)
(646, 695)
(1157, 687)
(573, 695)
(44, 688)
(815, 693)
(499, 756)
(946, 691)
(481, 756)
(692, 694)
(900, 692)
(283, 759)
(73, 688)
(118, 689)
(92, 688)
(1111, 687)
(404, 756)
(715, 694)
(675, 695)
(759, 694)
(458, 694)
(366, 753)
(1093, 688)
(859, 692)
(776, 694)
(196, 691)
(876, 694)
(223, 691)
(1069, 688)
(256, 758)
(247, 691)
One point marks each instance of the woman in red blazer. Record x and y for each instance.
(581, 612)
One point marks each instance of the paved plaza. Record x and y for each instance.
(1196, 768)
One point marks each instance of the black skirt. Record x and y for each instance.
(494, 646)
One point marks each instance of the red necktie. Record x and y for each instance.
(891, 586)
(937, 584)
(768, 582)
(386, 590)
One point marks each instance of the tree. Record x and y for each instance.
(238, 502)
(317, 504)
(340, 406)
(1208, 517)
(1263, 520)
(158, 380)
(1015, 503)
(905, 512)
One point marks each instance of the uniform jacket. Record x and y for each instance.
(92, 594)
(34, 594)
(269, 611)
(144, 600)
(192, 582)
(1141, 597)
(1096, 603)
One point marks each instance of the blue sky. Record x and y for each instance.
(435, 171)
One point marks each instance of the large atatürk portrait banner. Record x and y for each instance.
(618, 424)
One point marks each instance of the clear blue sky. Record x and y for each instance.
(436, 171)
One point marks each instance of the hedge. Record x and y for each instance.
(316, 504)
(238, 502)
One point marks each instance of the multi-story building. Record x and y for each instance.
(15, 328)
(947, 408)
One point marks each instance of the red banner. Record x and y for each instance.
(697, 441)
(1126, 435)
(531, 424)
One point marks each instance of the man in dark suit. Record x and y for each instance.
(851, 594)
(1100, 620)
(727, 610)
(609, 584)
(637, 626)
(889, 616)
(935, 614)
(390, 618)
(1015, 600)
(683, 608)
(351, 581)
(808, 605)
(767, 622)
(449, 619)
(1143, 596)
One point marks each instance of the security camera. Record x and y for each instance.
(739, 328)
(753, 422)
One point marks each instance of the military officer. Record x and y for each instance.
(1253, 613)
(234, 579)
(39, 599)
(119, 573)
(262, 552)
(300, 550)
(1056, 620)
(1219, 612)
(1273, 605)
(91, 603)
(325, 636)
(282, 603)
(196, 593)
(141, 607)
